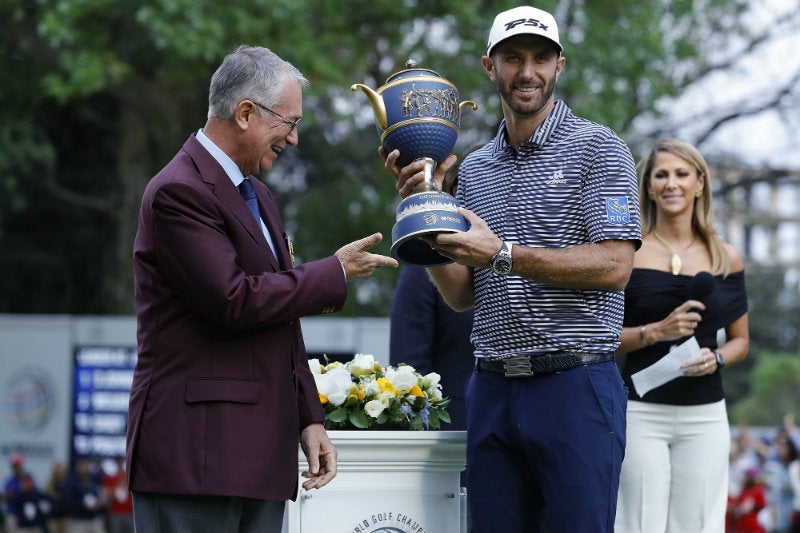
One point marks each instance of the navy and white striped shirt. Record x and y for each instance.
(574, 182)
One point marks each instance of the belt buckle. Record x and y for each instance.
(517, 366)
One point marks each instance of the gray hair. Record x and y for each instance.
(249, 73)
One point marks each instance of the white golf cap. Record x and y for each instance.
(523, 20)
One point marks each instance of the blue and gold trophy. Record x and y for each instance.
(418, 112)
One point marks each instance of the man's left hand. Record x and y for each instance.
(321, 456)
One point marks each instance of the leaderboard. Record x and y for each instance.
(101, 390)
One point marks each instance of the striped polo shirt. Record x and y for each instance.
(573, 182)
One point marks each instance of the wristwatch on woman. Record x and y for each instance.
(720, 359)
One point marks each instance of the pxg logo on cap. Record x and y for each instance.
(523, 20)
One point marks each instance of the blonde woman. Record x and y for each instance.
(685, 282)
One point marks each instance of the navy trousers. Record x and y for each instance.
(544, 452)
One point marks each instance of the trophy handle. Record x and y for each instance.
(466, 103)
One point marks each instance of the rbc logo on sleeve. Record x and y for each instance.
(617, 210)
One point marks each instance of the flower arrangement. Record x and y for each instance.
(360, 394)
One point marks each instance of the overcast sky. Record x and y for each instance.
(769, 138)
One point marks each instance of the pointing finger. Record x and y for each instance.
(368, 242)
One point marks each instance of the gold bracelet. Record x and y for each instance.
(641, 335)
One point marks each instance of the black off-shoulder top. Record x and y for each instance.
(650, 296)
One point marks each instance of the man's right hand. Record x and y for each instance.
(413, 174)
(358, 262)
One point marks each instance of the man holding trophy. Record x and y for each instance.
(552, 226)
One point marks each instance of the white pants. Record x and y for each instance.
(675, 472)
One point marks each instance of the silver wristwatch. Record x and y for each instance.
(502, 263)
(720, 359)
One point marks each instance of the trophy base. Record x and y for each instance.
(423, 214)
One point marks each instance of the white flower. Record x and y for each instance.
(315, 366)
(340, 385)
(371, 387)
(337, 368)
(403, 377)
(362, 364)
(323, 383)
(334, 385)
(430, 384)
(385, 397)
(374, 408)
(431, 380)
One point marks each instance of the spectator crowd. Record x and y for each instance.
(92, 497)
(764, 491)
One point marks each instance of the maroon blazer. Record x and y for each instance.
(222, 387)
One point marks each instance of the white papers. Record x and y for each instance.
(665, 369)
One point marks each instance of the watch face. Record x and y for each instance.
(501, 265)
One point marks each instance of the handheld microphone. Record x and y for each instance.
(701, 286)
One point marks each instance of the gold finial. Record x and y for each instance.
(411, 63)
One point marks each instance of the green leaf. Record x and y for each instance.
(359, 419)
(351, 403)
(433, 420)
(339, 415)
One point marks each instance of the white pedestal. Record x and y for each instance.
(398, 481)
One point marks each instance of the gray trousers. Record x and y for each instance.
(178, 513)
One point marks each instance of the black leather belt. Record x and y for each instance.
(535, 365)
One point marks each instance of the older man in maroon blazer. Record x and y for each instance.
(222, 391)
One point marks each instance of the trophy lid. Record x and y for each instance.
(412, 70)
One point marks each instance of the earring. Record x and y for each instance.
(698, 193)
(651, 195)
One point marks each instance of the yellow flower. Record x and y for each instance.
(416, 391)
(357, 393)
(323, 399)
(386, 385)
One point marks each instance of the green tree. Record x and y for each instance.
(773, 307)
(775, 381)
(98, 94)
